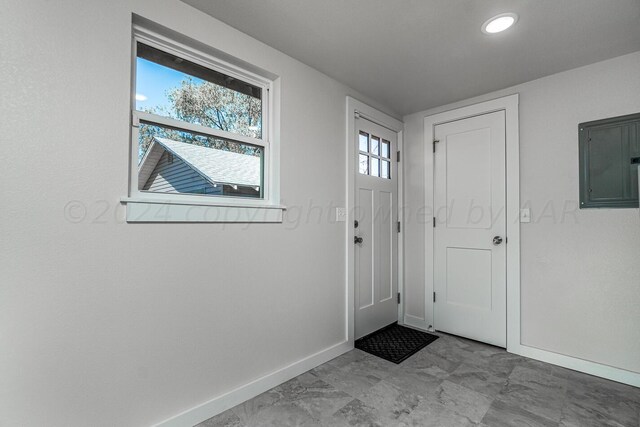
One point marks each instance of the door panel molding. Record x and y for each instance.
(469, 269)
(508, 104)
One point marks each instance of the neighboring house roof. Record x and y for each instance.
(217, 166)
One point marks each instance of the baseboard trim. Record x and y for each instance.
(241, 394)
(580, 365)
(415, 322)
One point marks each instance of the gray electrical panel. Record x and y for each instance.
(609, 158)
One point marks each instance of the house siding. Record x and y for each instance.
(178, 177)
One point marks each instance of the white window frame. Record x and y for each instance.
(146, 206)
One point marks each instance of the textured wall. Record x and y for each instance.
(580, 270)
(115, 324)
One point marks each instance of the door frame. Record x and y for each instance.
(508, 104)
(357, 110)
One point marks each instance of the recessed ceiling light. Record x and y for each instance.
(499, 23)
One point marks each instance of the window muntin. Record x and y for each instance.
(202, 111)
(375, 156)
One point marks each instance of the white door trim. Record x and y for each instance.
(367, 112)
(510, 105)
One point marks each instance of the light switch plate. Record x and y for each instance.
(525, 215)
(341, 214)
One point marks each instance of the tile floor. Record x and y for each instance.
(451, 382)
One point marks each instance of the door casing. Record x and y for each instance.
(356, 110)
(508, 104)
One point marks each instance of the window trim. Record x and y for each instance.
(270, 199)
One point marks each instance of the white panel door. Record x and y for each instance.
(376, 235)
(470, 228)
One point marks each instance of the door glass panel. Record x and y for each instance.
(386, 168)
(375, 145)
(385, 149)
(364, 142)
(375, 167)
(364, 164)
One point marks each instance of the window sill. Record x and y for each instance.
(143, 210)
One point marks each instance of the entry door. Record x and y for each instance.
(376, 231)
(470, 228)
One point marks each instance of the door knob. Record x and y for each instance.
(497, 240)
(357, 239)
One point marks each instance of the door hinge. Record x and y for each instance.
(435, 141)
(398, 156)
(434, 222)
(434, 297)
(398, 226)
(398, 297)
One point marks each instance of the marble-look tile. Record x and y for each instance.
(585, 415)
(463, 401)
(314, 395)
(545, 402)
(250, 409)
(431, 364)
(451, 382)
(503, 414)
(591, 402)
(478, 378)
(353, 378)
(391, 401)
(501, 363)
(415, 382)
(305, 397)
(607, 387)
(452, 350)
(482, 349)
(283, 415)
(433, 414)
(225, 419)
(354, 355)
(556, 371)
(355, 413)
(538, 379)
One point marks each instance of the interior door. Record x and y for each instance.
(470, 228)
(376, 234)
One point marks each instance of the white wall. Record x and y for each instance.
(105, 323)
(580, 271)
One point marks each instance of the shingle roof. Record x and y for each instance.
(219, 166)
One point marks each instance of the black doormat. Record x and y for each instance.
(395, 343)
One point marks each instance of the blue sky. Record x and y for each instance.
(154, 81)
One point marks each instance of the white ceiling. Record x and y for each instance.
(411, 55)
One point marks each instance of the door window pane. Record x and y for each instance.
(375, 167)
(385, 148)
(375, 145)
(386, 169)
(364, 164)
(364, 142)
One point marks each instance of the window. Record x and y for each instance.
(609, 157)
(200, 130)
(375, 156)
